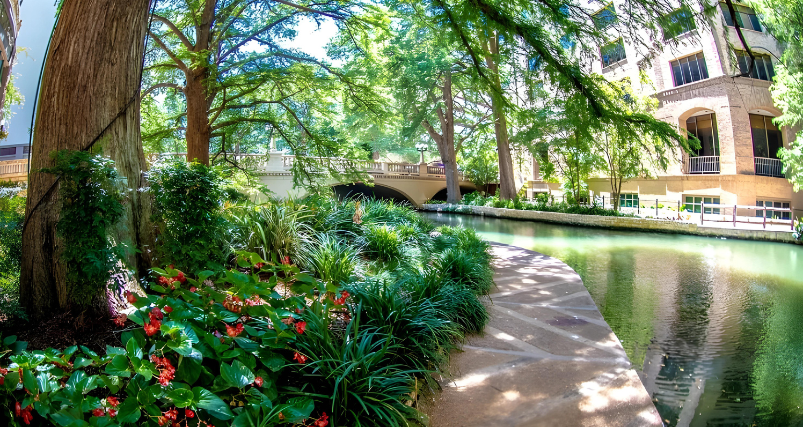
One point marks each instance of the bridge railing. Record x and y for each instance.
(285, 163)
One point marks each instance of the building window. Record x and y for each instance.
(26, 150)
(628, 200)
(762, 70)
(612, 53)
(605, 17)
(766, 137)
(689, 69)
(705, 129)
(745, 17)
(10, 151)
(678, 22)
(695, 204)
(774, 214)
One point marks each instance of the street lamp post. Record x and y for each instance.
(421, 148)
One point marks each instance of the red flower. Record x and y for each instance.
(162, 421)
(323, 421)
(300, 358)
(168, 309)
(193, 289)
(164, 281)
(156, 313)
(120, 320)
(2, 380)
(300, 326)
(3, 371)
(235, 331)
(112, 412)
(166, 370)
(299, 310)
(152, 327)
(112, 401)
(26, 415)
(130, 297)
(258, 381)
(98, 412)
(233, 303)
(181, 277)
(171, 414)
(342, 299)
(259, 265)
(286, 260)
(189, 414)
(17, 409)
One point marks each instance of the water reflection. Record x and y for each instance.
(714, 325)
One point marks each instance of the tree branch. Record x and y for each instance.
(160, 85)
(184, 40)
(181, 65)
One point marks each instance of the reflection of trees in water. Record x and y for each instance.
(778, 367)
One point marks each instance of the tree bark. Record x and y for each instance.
(507, 184)
(91, 81)
(445, 141)
(198, 129)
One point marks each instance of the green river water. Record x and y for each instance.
(714, 326)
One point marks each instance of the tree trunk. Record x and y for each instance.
(198, 130)
(92, 74)
(446, 147)
(507, 184)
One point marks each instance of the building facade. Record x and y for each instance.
(693, 81)
(9, 28)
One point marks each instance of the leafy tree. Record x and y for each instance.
(784, 20)
(238, 83)
(625, 155)
(480, 164)
(434, 88)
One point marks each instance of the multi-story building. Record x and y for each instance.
(693, 81)
(9, 28)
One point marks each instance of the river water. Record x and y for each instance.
(714, 326)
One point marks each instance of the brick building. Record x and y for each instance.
(9, 28)
(732, 116)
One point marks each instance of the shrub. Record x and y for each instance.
(461, 267)
(175, 359)
(91, 205)
(188, 200)
(273, 230)
(353, 377)
(382, 243)
(12, 217)
(332, 260)
(424, 332)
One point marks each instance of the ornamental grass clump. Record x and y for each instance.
(331, 259)
(354, 378)
(382, 243)
(274, 230)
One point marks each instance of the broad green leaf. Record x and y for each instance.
(212, 404)
(129, 412)
(119, 367)
(181, 397)
(236, 374)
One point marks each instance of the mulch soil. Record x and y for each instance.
(63, 330)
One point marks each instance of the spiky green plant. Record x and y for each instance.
(465, 268)
(355, 377)
(382, 243)
(331, 259)
(273, 230)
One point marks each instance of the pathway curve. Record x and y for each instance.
(547, 357)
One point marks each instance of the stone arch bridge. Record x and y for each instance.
(415, 183)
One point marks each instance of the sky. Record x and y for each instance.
(38, 17)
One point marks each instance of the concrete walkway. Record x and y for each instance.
(547, 357)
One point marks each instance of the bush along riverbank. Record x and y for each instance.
(541, 204)
(311, 312)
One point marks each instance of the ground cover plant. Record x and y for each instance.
(543, 204)
(303, 318)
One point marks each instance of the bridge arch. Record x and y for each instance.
(377, 191)
(464, 189)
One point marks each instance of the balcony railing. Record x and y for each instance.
(769, 167)
(702, 164)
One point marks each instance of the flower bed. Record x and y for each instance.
(313, 312)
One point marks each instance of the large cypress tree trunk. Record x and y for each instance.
(198, 130)
(91, 76)
(445, 140)
(507, 184)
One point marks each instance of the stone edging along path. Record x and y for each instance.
(547, 357)
(626, 223)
